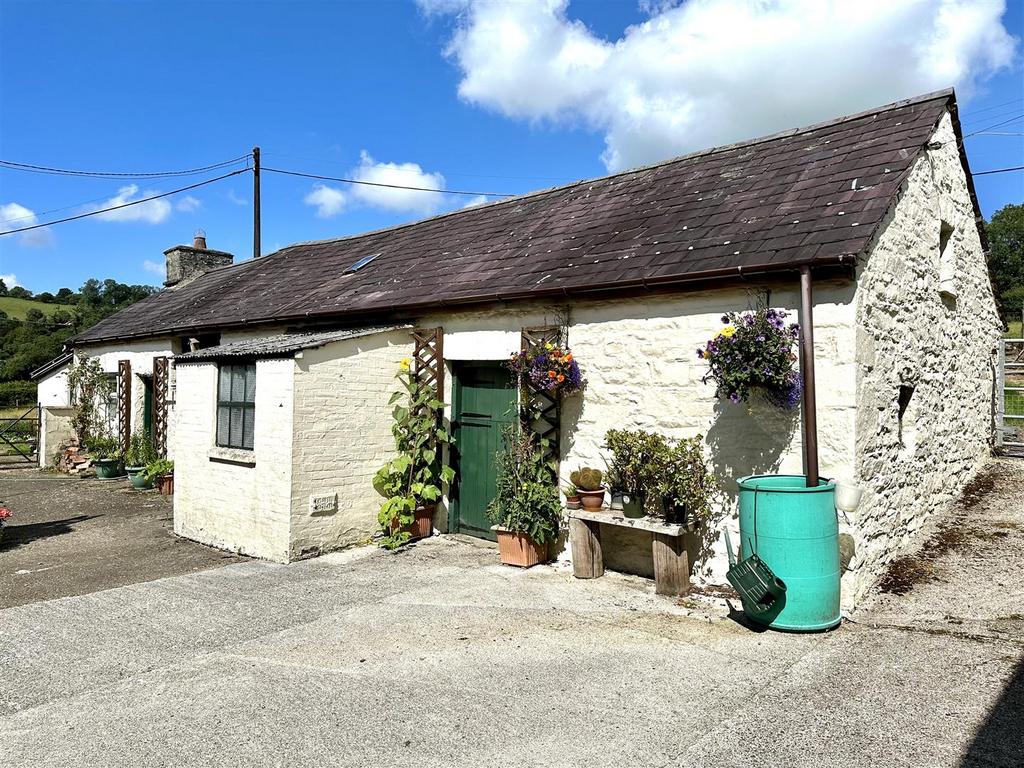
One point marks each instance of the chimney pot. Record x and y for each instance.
(199, 240)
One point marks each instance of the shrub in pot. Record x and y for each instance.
(687, 483)
(5, 515)
(526, 509)
(107, 457)
(160, 471)
(572, 496)
(141, 453)
(636, 469)
(587, 481)
(411, 482)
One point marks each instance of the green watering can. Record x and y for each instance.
(757, 586)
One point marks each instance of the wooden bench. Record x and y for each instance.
(671, 563)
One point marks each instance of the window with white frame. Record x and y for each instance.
(236, 405)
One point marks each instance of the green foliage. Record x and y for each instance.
(587, 478)
(686, 480)
(15, 393)
(91, 387)
(526, 500)
(104, 447)
(157, 468)
(141, 451)
(660, 469)
(1006, 258)
(415, 476)
(33, 331)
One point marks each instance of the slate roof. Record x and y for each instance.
(278, 345)
(808, 196)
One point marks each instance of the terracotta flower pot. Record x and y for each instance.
(592, 499)
(165, 484)
(422, 526)
(519, 549)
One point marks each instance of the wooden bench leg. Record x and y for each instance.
(671, 565)
(587, 558)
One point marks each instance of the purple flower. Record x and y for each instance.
(734, 397)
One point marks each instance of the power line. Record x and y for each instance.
(28, 167)
(389, 186)
(126, 205)
(999, 170)
(972, 112)
(989, 127)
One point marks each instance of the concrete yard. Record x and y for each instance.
(72, 536)
(438, 656)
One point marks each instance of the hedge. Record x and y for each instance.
(17, 393)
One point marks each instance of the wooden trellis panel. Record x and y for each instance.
(124, 402)
(428, 358)
(161, 367)
(541, 409)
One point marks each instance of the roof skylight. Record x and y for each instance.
(361, 263)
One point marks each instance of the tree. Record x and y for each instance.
(3, 287)
(1006, 257)
(65, 296)
(17, 292)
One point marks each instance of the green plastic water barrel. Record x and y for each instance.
(795, 531)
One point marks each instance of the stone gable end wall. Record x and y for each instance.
(909, 334)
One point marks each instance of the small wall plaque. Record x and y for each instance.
(324, 504)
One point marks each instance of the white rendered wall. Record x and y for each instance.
(228, 505)
(342, 436)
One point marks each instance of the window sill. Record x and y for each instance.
(236, 456)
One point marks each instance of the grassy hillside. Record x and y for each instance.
(17, 308)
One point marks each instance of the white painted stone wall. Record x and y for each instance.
(909, 334)
(342, 436)
(228, 505)
(639, 357)
(140, 354)
(54, 398)
(53, 388)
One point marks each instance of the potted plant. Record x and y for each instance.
(636, 469)
(107, 457)
(548, 367)
(5, 515)
(572, 496)
(687, 483)
(755, 351)
(526, 509)
(411, 482)
(141, 453)
(160, 471)
(587, 481)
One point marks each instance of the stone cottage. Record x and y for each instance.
(283, 365)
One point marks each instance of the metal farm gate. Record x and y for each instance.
(19, 436)
(1009, 403)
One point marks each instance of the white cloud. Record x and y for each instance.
(400, 174)
(709, 72)
(236, 199)
(151, 212)
(328, 200)
(475, 201)
(155, 267)
(188, 204)
(10, 280)
(16, 216)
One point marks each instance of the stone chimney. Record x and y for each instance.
(185, 263)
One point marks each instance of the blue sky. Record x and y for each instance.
(480, 97)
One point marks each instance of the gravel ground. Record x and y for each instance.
(73, 536)
(438, 656)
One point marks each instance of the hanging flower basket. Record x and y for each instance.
(549, 368)
(755, 350)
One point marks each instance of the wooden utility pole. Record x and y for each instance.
(809, 404)
(255, 202)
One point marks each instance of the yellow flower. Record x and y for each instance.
(549, 346)
(406, 362)
(728, 331)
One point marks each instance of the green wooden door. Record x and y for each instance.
(147, 407)
(484, 401)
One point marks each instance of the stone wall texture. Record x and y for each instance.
(342, 436)
(218, 501)
(909, 334)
